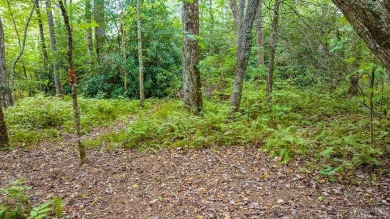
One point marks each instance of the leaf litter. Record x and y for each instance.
(234, 182)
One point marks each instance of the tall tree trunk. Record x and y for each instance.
(5, 91)
(372, 106)
(371, 20)
(20, 52)
(123, 49)
(233, 7)
(88, 19)
(243, 50)
(42, 35)
(260, 34)
(72, 82)
(211, 33)
(53, 48)
(271, 64)
(191, 51)
(140, 62)
(100, 30)
(3, 129)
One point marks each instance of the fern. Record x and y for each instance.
(41, 211)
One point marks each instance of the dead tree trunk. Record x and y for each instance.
(140, 59)
(191, 52)
(244, 45)
(275, 21)
(371, 20)
(53, 48)
(72, 82)
(5, 91)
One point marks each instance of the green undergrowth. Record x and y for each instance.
(38, 118)
(328, 129)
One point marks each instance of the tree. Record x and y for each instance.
(233, 7)
(246, 21)
(17, 36)
(371, 20)
(42, 35)
(72, 82)
(260, 34)
(53, 48)
(123, 47)
(21, 50)
(100, 30)
(275, 21)
(88, 19)
(191, 51)
(140, 62)
(5, 92)
(3, 129)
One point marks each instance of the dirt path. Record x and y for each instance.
(230, 183)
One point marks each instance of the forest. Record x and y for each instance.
(194, 109)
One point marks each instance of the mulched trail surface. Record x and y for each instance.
(236, 182)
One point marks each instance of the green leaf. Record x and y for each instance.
(350, 60)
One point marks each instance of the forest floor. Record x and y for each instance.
(234, 182)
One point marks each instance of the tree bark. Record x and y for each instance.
(271, 64)
(72, 82)
(20, 52)
(372, 106)
(353, 86)
(243, 50)
(191, 52)
(88, 19)
(371, 20)
(53, 48)
(100, 30)
(5, 92)
(233, 7)
(211, 32)
(42, 35)
(3, 129)
(260, 34)
(140, 61)
(123, 49)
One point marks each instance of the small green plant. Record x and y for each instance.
(16, 204)
(329, 172)
(41, 211)
(57, 206)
